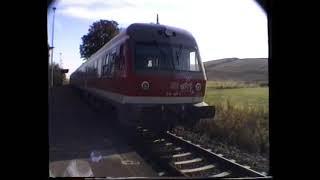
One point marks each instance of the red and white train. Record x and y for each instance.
(151, 74)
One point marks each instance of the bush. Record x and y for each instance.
(58, 77)
(230, 84)
(264, 84)
(242, 126)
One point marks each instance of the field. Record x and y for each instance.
(239, 94)
(242, 115)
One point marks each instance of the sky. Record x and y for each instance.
(222, 28)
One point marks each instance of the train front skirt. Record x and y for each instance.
(162, 117)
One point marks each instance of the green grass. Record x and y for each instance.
(239, 97)
(242, 115)
(229, 84)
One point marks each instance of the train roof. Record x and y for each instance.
(161, 33)
(145, 32)
(144, 26)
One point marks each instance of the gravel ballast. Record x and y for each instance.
(255, 161)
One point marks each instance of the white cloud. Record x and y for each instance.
(78, 12)
(94, 2)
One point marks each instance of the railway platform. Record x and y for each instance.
(83, 143)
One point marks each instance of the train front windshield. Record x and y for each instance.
(154, 56)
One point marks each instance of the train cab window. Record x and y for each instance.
(185, 59)
(166, 57)
(194, 63)
(147, 57)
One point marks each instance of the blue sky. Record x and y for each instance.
(222, 28)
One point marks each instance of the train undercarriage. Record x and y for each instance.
(164, 116)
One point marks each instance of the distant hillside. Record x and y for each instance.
(247, 70)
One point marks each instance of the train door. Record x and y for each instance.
(118, 68)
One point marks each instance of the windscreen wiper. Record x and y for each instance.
(178, 53)
(161, 51)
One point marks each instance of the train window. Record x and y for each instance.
(86, 72)
(100, 64)
(194, 63)
(121, 57)
(116, 58)
(106, 60)
(95, 67)
(112, 64)
(166, 57)
(105, 66)
(92, 69)
(89, 70)
(147, 57)
(185, 59)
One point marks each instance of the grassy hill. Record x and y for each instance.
(252, 70)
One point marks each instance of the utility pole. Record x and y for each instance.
(60, 61)
(54, 9)
(157, 19)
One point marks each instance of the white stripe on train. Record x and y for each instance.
(123, 99)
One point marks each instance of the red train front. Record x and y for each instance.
(151, 73)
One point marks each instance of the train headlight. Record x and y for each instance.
(198, 87)
(145, 85)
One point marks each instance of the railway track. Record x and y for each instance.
(180, 157)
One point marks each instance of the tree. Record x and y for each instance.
(99, 34)
(59, 77)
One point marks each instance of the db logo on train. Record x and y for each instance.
(145, 85)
